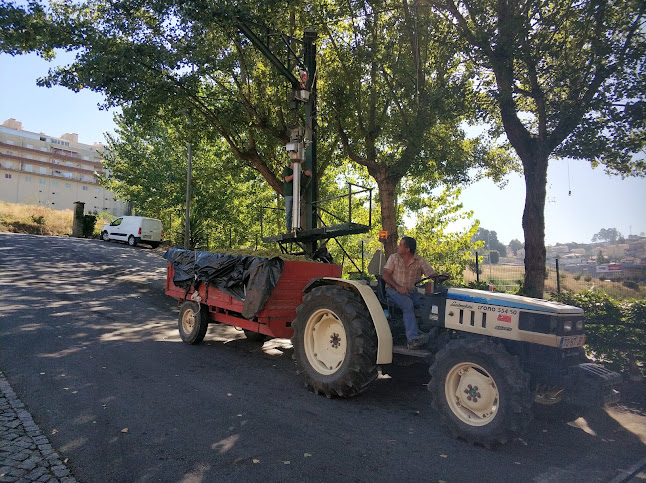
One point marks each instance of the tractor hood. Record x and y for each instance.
(511, 301)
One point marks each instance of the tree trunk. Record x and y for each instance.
(534, 223)
(387, 189)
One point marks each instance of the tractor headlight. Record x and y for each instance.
(579, 325)
(567, 326)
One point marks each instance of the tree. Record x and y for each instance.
(515, 245)
(393, 102)
(600, 258)
(494, 256)
(146, 164)
(396, 93)
(610, 235)
(490, 239)
(559, 79)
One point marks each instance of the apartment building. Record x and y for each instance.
(37, 168)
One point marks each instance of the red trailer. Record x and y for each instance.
(273, 320)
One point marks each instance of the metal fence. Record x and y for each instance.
(508, 277)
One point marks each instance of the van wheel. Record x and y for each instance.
(131, 241)
(105, 236)
(335, 343)
(193, 322)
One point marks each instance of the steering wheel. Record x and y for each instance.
(437, 278)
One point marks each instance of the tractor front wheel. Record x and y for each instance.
(481, 391)
(335, 343)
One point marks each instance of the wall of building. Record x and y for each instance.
(36, 168)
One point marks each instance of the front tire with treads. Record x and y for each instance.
(481, 391)
(335, 342)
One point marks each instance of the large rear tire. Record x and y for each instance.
(481, 391)
(335, 343)
(193, 322)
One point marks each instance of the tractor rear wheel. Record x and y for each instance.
(481, 391)
(335, 343)
(193, 322)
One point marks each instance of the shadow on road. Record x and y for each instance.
(89, 342)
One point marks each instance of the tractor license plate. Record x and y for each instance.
(572, 341)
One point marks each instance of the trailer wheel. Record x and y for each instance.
(481, 391)
(335, 343)
(193, 322)
(254, 336)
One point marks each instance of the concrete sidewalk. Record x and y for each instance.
(26, 454)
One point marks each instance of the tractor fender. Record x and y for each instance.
(384, 336)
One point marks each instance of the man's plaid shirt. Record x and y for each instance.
(406, 276)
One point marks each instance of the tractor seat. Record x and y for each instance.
(381, 291)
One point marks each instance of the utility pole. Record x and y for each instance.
(187, 216)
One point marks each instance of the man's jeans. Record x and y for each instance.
(407, 303)
(289, 206)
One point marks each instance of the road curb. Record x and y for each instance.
(25, 452)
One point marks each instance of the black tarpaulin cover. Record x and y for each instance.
(247, 278)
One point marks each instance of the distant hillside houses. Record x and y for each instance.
(625, 260)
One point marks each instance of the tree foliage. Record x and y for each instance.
(610, 235)
(515, 245)
(559, 79)
(490, 239)
(616, 330)
(29, 28)
(396, 93)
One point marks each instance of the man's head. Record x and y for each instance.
(407, 245)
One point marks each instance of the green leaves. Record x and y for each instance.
(616, 330)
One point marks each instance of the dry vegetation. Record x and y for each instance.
(507, 278)
(34, 219)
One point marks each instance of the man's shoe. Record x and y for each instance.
(417, 342)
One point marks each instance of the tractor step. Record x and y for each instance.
(403, 350)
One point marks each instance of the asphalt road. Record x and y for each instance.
(89, 343)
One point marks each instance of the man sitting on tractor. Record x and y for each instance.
(402, 270)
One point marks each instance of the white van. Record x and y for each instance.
(134, 230)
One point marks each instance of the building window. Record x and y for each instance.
(43, 170)
(27, 178)
(68, 185)
(42, 181)
(10, 153)
(84, 188)
(7, 176)
(54, 183)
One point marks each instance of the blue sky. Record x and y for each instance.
(597, 200)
